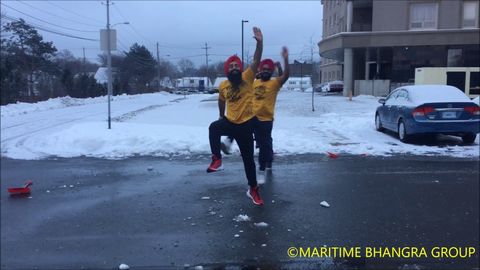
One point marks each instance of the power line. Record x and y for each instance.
(56, 15)
(51, 3)
(48, 30)
(149, 42)
(72, 29)
(131, 26)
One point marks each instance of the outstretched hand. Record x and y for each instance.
(257, 34)
(285, 52)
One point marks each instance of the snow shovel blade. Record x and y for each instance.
(21, 190)
(332, 155)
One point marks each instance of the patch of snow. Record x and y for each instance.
(325, 204)
(261, 224)
(123, 267)
(242, 218)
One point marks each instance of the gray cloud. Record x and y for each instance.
(181, 27)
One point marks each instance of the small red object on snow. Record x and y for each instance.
(332, 155)
(21, 190)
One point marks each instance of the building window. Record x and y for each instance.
(454, 58)
(423, 16)
(338, 75)
(470, 14)
(474, 83)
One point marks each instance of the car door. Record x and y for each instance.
(398, 108)
(389, 103)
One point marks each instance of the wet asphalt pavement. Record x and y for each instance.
(147, 212)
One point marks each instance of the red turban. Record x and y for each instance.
(232, 58)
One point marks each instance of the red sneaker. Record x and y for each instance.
(253, 194)
(216, 164)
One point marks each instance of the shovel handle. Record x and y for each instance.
(28, 183)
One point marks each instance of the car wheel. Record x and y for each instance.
(378, 123)
(469, 138)
(402, 132)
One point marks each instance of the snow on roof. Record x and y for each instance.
(305, 78)
(435, 93)
(101, 75)
(477, 100)
(193, 78)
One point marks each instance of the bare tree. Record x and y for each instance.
(187, 67)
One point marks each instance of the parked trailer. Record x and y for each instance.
(465, 79)
(195, 83)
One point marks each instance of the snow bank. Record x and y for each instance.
(163, 124)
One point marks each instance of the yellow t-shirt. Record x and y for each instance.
(265, 98)
(239, 103)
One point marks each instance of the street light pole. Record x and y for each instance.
(313, 91)
(109, 64)
(301, 77)
(243, 21)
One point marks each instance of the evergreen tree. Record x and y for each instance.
(28, 52)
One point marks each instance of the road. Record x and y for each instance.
(151, 213)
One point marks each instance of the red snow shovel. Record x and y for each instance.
(21, 190)
(332, 155)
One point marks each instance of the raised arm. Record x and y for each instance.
(257, 34)
(286, 68)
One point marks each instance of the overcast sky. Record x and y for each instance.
(180, 27)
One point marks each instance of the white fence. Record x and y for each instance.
(375, 88)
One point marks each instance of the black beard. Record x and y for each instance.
(265, 76)
(235, 78)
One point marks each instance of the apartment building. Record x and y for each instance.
(376, 39)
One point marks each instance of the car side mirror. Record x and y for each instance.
(382, 100)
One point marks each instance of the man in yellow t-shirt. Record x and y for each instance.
(236, 94)
(266, 89)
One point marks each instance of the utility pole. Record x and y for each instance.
(158, 65)
(206, 62)
(301, 76)
(313, 72)
(83, 60)
(109, 64)
(243, 21)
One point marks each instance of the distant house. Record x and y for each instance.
(298, 84)
(102, 75)
(195, 83)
